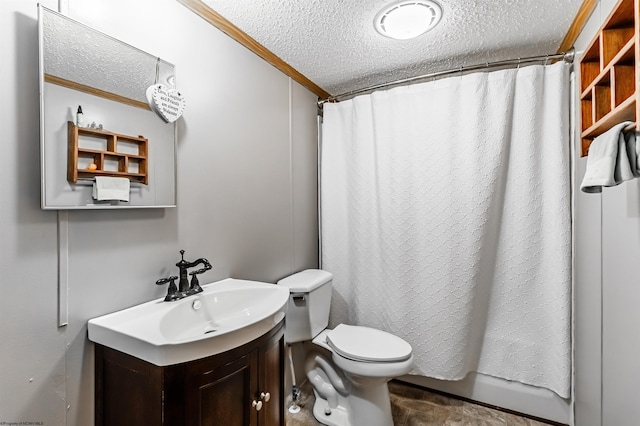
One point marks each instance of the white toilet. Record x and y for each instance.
(350, 384)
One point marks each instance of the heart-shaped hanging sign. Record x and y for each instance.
(149, 93)
(167, 103)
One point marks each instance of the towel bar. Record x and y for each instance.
(91, 180)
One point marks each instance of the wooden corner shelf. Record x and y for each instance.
(112, 154)
(608, 74)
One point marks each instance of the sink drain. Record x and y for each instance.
(209, 331)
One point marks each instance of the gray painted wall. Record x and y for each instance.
(246, 197)
(607, 290)
(246, 182)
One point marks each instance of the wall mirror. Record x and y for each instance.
(119, 135)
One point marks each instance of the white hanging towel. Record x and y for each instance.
(608, 161)
(633, 151)
(111, 188)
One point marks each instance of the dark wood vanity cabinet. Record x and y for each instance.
(241, 387)
(246, 390)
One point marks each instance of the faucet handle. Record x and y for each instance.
(172, 291)
(162, 281)
(195, 283)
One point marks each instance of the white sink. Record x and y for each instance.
(227, 314)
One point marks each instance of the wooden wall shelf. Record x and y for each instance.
(112, 154)
(609, 76)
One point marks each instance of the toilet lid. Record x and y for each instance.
(367, 344)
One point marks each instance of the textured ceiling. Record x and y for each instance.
(334, 44)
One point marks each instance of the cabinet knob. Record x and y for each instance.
(266, 396)
(257, 405)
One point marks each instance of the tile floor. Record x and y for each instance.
(412, 406)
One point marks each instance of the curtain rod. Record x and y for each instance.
(567, 56)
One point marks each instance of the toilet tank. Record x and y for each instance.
(309, 303)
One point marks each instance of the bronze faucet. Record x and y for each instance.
(185, 289)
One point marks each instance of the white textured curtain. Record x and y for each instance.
(446, 221)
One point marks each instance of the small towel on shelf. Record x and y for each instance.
(633, 152)
(111, 188)
(608, 162)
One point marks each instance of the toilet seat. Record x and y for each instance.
(365, 344)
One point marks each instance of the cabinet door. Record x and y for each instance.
(272, 369)
(128, 390)
(222, 395)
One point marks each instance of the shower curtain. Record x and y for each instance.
(445, 217)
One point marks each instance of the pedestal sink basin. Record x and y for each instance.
(227, 314)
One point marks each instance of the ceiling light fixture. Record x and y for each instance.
(407, 19)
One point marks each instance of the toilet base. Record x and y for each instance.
(338, 417)
(369, 404)
(356, 398)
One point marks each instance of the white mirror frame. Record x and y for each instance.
(71, 74)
